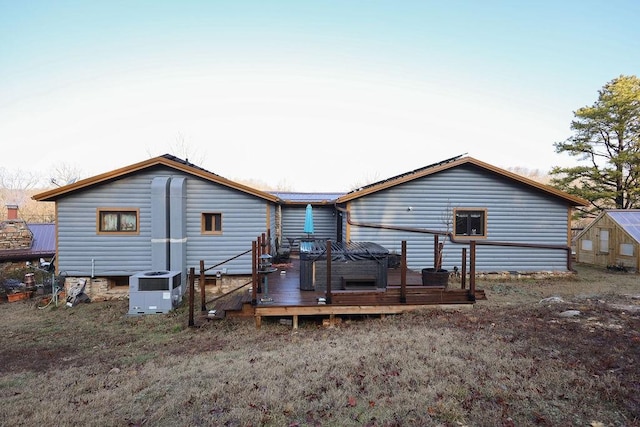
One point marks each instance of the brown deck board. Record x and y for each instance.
(282, 296)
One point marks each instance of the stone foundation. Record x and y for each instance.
(103, 289)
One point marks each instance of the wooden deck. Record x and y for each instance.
(282, 297)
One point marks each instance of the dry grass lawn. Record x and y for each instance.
(509, 361)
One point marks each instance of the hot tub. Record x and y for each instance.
(354, 265)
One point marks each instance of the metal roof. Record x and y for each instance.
(164, 160)
(304, 198)
(628, 220)
(43, 244)
(456, 162)
(410, 173)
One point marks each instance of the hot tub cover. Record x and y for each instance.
(342, 251)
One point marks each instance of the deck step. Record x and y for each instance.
(414, 295)
(231, 302)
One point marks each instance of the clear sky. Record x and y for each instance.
(303, 95)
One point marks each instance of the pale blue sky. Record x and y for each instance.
(310, 95)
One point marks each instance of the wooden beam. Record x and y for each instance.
(328, 295)
(203, 303)
(192, 279)
(254, 274)
(403, 273)
(463, 270)
(324, 310)
(472, 270)
(269, 250)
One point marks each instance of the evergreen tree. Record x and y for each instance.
(606, 139)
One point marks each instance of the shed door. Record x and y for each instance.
(604, 241)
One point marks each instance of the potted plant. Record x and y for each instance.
(16, 290)
(436, 276)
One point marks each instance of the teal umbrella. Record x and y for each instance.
(308, 221)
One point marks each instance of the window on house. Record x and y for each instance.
(118, 221)
(211, 223)
(604, 241)
(470, 222)
(587, 245)
(626, 249)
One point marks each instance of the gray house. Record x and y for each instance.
(518, 225)
(168, 214)
(160, 214)
(292, 210)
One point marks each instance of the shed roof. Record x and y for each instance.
(164, 160)
(456, 162)
(43, 244)
(628, 220)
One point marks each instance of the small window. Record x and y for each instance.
(586, 245)
(626, 249)
(118, 221)
(470, 222)
(604, 241)
(211, 223)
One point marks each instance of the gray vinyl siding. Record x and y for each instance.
(324, 223)
(244, 219)
(515, 213)
(82, 251)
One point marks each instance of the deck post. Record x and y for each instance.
(202, 280)
(264, 243)
(269, 241)
(328, 295)
(258, 321)
(192, 279)
(295, 321)
(463, 271)
(472, 272)
(403, 273)
(261, 251)
(254, 275)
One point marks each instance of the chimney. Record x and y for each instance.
(12, 211)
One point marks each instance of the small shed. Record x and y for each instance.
(354, 265)
(611, 240)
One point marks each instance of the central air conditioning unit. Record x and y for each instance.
(154, 292)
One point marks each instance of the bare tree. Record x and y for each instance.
(184, 150)
(533, 174)
(64, 174)
(14, 186)
(366, 180)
